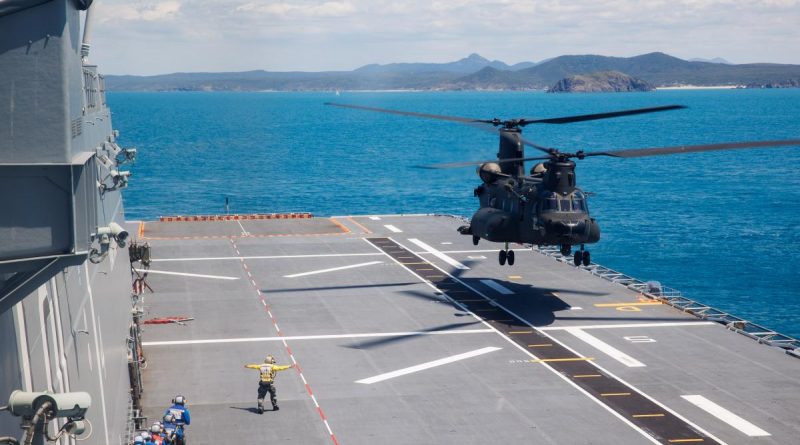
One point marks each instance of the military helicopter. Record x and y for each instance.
(546, 207)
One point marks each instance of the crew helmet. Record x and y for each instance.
(138, 440)
(179, 400)
(168, 418)
(156, 428)
(146, 435)
(270, 359)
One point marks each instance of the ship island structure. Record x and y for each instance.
(399, 330)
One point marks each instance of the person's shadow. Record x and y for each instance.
(249, 409)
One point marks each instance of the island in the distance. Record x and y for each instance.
(600, 82)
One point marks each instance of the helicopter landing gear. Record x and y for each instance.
(566, 249)
(582, 257)
(506, 256)
(475, 240)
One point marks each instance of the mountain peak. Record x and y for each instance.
(475, 57)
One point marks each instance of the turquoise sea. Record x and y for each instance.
(723, 227)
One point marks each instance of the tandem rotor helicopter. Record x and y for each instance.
(545, 207)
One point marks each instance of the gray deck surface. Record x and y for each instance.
(620, 372)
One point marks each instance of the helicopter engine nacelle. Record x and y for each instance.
(489, 171)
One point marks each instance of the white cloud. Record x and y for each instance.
(325, 9)
(144, 11)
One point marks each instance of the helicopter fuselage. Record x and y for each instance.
(524, 210)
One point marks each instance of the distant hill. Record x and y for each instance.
(601, 81)
(471, 73)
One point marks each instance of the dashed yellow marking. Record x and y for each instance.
(514, 277)
(648, 415)
(586, 376)
(435, 276)
(541, 345)
(614, 394)
(520, 332)
(686, 440)
(422, 269)
(632, 303)
(409, 258)
(570, 359)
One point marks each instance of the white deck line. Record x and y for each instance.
(314, 337)
(266, 257)
(498, 287)
(427, 365)
(726, 416)
(392, 228)
(318, 255)
(332, 269)
(606, 348)
(630, 325)
(186, 274)
(439, 254)
(375, 218)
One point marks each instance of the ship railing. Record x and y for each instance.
(675, 298)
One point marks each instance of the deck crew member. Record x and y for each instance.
(179, 411)
(266, 382)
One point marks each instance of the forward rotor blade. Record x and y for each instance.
(463, 120)
(591, 117)
(657, 151)
(472, 163)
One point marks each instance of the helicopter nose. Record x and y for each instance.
(567, 227)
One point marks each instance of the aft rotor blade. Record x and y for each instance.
(657, 151)
(473, 163)
(595, 116)
(463, 120)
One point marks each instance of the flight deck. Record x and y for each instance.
(404, 332)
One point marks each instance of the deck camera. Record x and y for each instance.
(72, 405)
(126, 155)
(114, 231)
(120, 178)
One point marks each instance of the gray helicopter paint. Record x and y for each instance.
(64, 321)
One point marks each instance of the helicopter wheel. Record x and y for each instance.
(587, 258)
(577, 258)
(565, 249)
(475, 240)
(502, 257)
(510, 257)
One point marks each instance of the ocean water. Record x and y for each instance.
(722, 227)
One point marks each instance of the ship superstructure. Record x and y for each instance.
(65, 295)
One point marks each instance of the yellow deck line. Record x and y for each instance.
(586, 376)
(541, 345)
(685, 440)
(520, 332)
(612, 394)
(571, 359)
(648, 415)
(632, 303)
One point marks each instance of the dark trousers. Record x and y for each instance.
(267, 387)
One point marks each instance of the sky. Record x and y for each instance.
(158, 37)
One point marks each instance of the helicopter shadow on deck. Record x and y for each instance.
(537, 305)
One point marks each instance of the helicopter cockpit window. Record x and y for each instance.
(565, 207)
(550, 205)
(578, 202)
